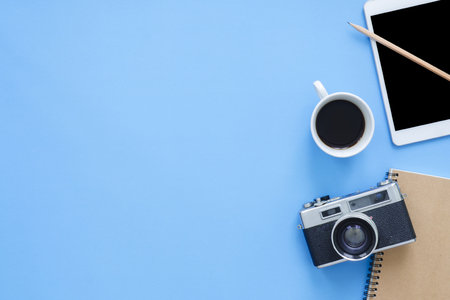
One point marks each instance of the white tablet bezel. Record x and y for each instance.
(414, 134)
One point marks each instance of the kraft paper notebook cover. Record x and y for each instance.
(420, 270)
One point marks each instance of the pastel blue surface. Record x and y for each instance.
(162, 149)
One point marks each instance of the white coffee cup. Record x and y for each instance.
(363, 107)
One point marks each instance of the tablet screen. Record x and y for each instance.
(416, 95)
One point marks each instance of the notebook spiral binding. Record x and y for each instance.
(377, 258)
(374, 271)
(391, 176)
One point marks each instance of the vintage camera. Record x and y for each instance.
(354, 226)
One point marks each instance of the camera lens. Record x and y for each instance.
(354, 236)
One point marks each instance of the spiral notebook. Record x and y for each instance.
(420, 270)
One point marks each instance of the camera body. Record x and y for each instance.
(354, 226)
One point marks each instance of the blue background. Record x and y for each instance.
(162, 149)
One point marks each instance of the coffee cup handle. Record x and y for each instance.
(320, 90)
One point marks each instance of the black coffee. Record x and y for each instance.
(340, 124)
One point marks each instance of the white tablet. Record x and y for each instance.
(417, 101)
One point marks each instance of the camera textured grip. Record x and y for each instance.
(318, 239)
(393, 224)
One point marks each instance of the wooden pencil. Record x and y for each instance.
(401, 51)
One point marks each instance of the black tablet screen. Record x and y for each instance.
(416, 95)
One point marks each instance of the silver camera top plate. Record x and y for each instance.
(387, 193)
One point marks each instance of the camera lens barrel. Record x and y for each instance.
(354, 236)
